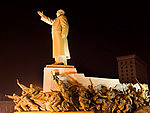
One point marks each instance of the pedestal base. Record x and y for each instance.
(48, 82)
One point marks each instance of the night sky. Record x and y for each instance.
(96, 37)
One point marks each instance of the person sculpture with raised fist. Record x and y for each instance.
(60, 28)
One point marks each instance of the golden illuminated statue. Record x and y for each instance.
(60, 30)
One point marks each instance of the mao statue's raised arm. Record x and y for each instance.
(45, 18)
(60, 29)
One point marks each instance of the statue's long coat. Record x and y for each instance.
(59, 26)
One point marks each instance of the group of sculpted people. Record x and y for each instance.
(72, 96)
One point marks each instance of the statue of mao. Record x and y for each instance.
(60, 28)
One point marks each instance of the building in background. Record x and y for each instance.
(130, 68)
(5, 105)
(2, 97)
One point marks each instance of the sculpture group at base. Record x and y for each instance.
(75, 97)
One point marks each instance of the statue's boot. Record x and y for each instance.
(60, 63)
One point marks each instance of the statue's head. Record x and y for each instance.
(23, 93)
(14, 94)
(60, 12)
(31, 85)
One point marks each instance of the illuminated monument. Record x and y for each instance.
(60, 28)
(65, 90)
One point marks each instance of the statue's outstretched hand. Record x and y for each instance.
(17, 81)
(40, 13)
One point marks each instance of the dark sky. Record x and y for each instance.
(96, 37)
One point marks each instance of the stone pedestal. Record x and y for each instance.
(48, 82)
